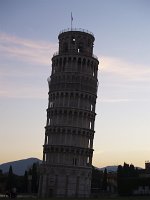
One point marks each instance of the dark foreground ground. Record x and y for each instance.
(98, 198)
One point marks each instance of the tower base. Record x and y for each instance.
(64, 181)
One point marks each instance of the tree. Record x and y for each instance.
(25, 182)
(127, 179)
(35, 178)
(104, 182)
(96, 178)
(10, 179)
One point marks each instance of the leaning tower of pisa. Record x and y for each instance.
(69, 132)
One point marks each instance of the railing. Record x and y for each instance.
(94, 56)
(76, 29)
(56, 53)
(82, 54)
(73, 87)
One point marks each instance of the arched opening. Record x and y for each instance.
(73, 40)
(80, 48)
(74, 161)
(88, 160)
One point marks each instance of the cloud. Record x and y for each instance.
(123, 69)
(123, 100)
(24, 91)
(37, 52)
(40, 52)
(123, 81)
(24, 66)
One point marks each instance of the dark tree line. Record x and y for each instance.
(99, 180)
(28, 183)
(35, 178)
(23, 184)
(127, 177)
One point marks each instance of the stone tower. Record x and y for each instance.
(69, 132)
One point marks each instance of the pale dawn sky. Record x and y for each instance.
(29, 37)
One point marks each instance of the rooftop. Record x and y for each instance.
(76, 29)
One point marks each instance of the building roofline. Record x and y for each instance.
(76, 29)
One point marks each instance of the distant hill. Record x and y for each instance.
(112, 168)
(109, 168)
(19, 166)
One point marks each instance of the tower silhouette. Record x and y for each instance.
(69, 132)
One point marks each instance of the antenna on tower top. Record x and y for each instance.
(71, 20)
